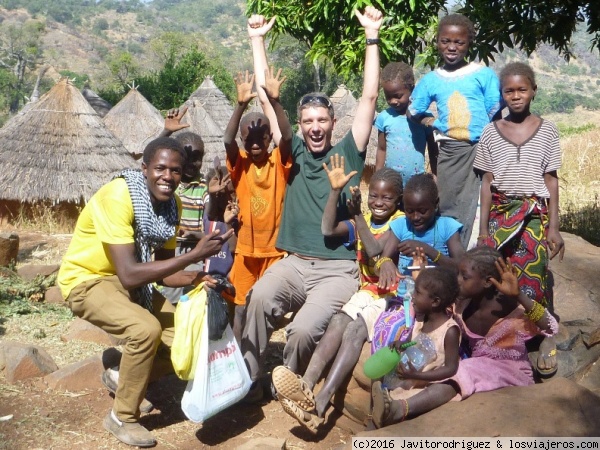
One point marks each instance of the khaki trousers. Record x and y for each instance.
(105, 303)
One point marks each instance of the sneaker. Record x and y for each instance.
(110, 381)
(130, 433)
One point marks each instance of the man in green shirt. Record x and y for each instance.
(320, 274)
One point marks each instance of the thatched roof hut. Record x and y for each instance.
(214, 101)
(135, 122)
(343, 101)
(58, 151)
(101, 106)
(203, 124)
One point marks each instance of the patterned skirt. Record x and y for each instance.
(518, 227)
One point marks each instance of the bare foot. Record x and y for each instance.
(547, 363)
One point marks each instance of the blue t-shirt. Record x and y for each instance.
(466, 100)
(405, 143)
(437, 236)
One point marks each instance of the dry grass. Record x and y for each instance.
(46, 218)
(579, 181)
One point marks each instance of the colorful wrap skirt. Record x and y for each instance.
(518, 227)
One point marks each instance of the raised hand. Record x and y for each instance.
(337, 178)
(371, 19)
(219, 183)
(244, 83)
(355, 201)
(509, 282)
(231, 211)
(258, 25)
(273, 83)
(173, 119)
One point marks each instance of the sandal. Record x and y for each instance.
(308, 420)
(381, 404)
(293, 388)
(545, 355)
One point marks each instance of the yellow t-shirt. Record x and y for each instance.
(106, 219)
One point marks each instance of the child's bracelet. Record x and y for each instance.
(536, 312)
(437, 257)
(483, 236)
(380, 261)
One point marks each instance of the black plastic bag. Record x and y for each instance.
(218, 311)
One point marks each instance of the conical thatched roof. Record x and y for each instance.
(134, 121)
(214, 101)
(343, 101)
(101, 106)
(58, 150)
(344, 124)
(203, 124)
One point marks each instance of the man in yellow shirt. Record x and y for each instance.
(108, 271)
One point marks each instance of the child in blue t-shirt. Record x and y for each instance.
(401, 142)
(421, 227)
(467, 96)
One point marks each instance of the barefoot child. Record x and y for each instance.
(467, 96)
(519, 156)
(436, 289)
(350, 328)
(401, 142)
(497, 319)
(259, 179)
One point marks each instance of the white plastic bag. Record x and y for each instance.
(221, 378)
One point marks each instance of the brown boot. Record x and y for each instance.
(130, 433)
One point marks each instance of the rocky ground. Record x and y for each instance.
(65, 409)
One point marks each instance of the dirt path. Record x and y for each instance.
(47, 419)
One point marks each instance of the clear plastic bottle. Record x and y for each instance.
(419, 355)
(409, 288)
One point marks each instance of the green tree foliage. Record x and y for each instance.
(179, 77)
(520, 24)
(78, 79)
(331, 31)
(20, 51)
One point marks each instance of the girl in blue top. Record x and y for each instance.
(467, 96)
(401, 142)
(422, 227)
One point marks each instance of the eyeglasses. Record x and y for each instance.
(315, 99)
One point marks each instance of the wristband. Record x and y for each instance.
(373, 41)
(437, 257)
(536, 312)
(380, 261)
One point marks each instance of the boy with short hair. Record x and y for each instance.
(259, 179)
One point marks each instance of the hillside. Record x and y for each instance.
(111, 43)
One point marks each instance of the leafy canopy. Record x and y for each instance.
(330, 30)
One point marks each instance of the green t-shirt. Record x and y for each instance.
(306, 196)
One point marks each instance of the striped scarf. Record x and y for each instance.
(151, 228)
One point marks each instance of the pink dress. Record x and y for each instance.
(406, 388)
(498, 359)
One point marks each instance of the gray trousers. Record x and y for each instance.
(313, 289)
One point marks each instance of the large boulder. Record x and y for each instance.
(557, 408)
